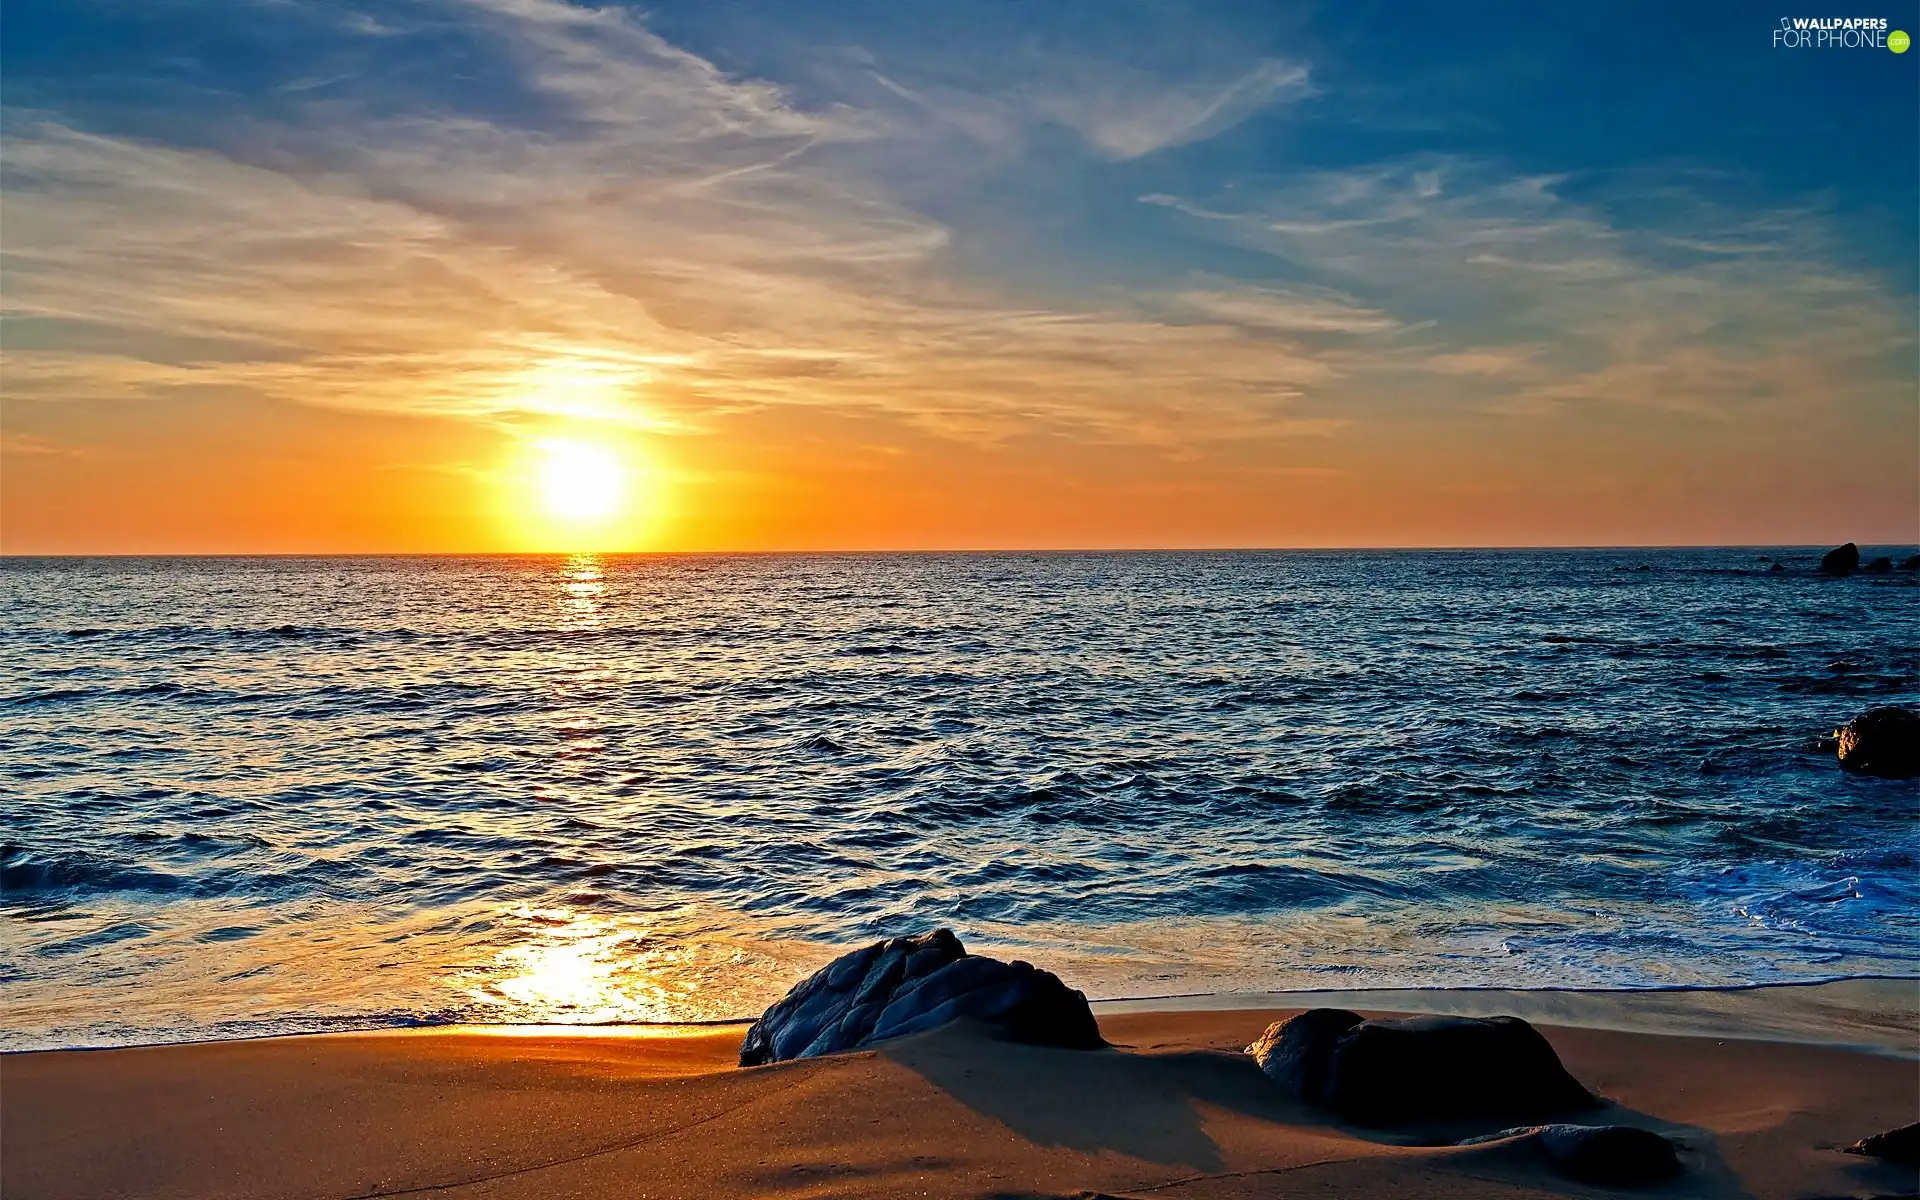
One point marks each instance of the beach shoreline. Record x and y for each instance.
(1875, 1014)
(1173, 1109)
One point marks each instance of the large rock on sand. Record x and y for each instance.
(1881, 741)
(907, 985)
(1609, 1154)
(1417, 1068)
(1900, 1145)
(1843, 560)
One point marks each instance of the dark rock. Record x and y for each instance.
(1843, 561)
(908, 985)
(1776, 569)
(1612, 1154)
(1294, 1053)
(1881, 741)
(1879, 566)
(1415, 1068)
(1447, 1066)
(1900, 1145)
(1911, 564)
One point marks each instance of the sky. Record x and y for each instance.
(283, 276)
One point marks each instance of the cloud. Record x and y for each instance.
(656, 244)
(1283, 311)
(1132, 114)
(1483, 362)
(29, 444)
(1499, 278)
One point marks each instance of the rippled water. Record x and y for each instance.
(252, 795)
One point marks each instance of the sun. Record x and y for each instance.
(581, 491)
(580, 483)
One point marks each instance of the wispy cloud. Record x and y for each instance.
(667, 245)
(1284, 311)
(1129, 114)
(1542, 300)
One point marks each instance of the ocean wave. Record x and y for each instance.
(26, 872)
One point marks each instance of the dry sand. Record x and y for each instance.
(1173, 1111)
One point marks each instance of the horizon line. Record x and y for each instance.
(973, 550)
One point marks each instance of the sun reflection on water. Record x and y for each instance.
(583, 587)
(580, 967)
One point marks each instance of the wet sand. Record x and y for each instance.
(1173, 1110)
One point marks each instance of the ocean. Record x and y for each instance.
(262, 795)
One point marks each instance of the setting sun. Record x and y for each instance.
(580, 493)
(580, 482)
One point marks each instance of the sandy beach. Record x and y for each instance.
(1174, 1109)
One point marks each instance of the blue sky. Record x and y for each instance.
(1274, 238)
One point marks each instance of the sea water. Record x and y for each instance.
(258, 795)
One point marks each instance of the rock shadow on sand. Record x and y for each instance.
(1145, 1106)
(1155, 1107)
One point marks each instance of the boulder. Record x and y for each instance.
(1842, 561)
(1900, 1145)
(1879, 566)
(1911, 564)
(1607, 1154)
(1417, 1068)
(1881, 741)
(1777, 569)
(908, 985)
(1295, 1053)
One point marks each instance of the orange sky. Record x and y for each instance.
(242, 478)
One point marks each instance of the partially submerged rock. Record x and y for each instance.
(1610, 1154)
(1417, 1068)
(1879, 566)
(1881, 741)
(908, 985)
(1844, 560)
(1900, 1145)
